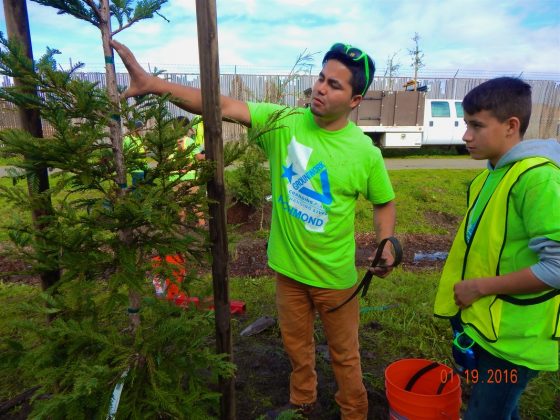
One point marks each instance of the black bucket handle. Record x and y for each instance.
(412, 381)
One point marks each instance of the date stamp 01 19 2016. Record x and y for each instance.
(491, 376)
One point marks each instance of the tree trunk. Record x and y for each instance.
(116, 140)
(111, 75)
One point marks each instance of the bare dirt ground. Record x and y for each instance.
(249, 258)
(263, 368)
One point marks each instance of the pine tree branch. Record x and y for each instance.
(95, 9)
(72, 7)
(142, 12)
(163, 17)
(128, 24)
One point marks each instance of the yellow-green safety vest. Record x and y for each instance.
(481, 258)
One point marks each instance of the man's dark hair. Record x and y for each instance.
(358, 80)
(504, 97)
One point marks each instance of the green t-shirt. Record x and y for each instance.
(317, 176)
(187, 143)
(533, 212)
(133, 143)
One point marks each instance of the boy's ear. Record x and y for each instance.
(513, 125)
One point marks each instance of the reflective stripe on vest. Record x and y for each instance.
(481, 258)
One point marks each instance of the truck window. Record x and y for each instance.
(440, 109)
(459, 110)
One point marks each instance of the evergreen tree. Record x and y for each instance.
(104, 235)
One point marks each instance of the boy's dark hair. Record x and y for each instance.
(359, 81)
(504, 97)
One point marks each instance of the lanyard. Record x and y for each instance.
(364, 284)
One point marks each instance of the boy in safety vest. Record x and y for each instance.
(501, 283)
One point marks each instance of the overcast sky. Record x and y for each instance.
(268, 35)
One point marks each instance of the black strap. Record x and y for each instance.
(419, 374)
(530, 301)
(444, 380)
(364, 284)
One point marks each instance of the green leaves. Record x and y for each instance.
(250, 183)
(126, 13)
(13, 61)
(80, 355)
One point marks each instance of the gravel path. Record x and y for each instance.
(456, 163)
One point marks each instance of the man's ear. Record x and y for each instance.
(355, 101)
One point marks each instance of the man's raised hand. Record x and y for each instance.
(140, 81)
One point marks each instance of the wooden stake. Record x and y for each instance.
(17, 26)
(212, 117)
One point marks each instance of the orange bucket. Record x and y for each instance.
(420, 389)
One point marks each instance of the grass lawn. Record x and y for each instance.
(419, 193)
(396, 319)
(8, 210)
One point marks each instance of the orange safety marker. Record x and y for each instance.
(170, 288)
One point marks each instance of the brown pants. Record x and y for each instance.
(297, 304)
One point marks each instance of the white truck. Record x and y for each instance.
(408, 119)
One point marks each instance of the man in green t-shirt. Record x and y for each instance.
(320, 163)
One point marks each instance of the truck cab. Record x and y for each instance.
(443, 122)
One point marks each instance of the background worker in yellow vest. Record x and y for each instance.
(500, 285)
(183, 144)
(132, 144)
(199, 135)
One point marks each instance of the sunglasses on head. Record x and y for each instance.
(356, 55)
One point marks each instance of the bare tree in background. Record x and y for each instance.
(392, 68)
(417, 58)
